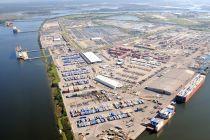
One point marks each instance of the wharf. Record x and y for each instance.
(134, 135)
(23, 54)
(141, 68)
(38, 57)
(28, 31)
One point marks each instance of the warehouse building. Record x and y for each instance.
(90, 57)
(169, 83)
(108, 82)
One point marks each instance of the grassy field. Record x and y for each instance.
(53, 74)
(60, 112)
(181, 21)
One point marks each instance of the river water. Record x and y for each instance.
(191, 121)
(26, 106)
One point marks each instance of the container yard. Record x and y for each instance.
(118, 77)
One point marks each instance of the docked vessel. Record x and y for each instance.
(21, 54)
(158, 122)
(191, 88)
(15, 30)
(9, 24)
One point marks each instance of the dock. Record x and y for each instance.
(33, 51)
(23, 54)
(28, 31)
(39, 57)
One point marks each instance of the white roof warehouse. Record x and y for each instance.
(90, 57)
(108, 82)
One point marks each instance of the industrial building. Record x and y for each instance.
(56, 38)
(90, 57)
(170, 82)
(108, 82)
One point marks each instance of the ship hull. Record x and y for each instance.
(181, 99)
(20, 54)
(15, 31)
(155, 129)
(165, 122)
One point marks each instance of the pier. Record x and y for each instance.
(33, 51)
(28, 31)
(23, 54)
(17, 30)
(38, 57)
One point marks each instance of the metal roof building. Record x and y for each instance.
(90, 57)
(108, 82)
(170, 82)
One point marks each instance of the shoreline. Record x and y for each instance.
(62, 120)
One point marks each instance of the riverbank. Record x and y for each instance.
(59, 109)
(26, 105)
(62, 122)
(60, 112)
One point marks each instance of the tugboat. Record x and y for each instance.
(15, 30)
(20, 53)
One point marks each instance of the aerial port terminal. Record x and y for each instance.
(22, 54)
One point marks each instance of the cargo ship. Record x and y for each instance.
(20, 53)
(162, 118)
(191, 88)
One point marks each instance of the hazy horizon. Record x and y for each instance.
(101, 1)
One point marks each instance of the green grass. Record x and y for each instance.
(60, 124)
(89, 15)
(61, 127)
(53, 74)
(60, 112)
(59, 106)
(66, 128)
(181, 21)
(64, 136)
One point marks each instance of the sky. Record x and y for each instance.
(181, 1)
(15, 1)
